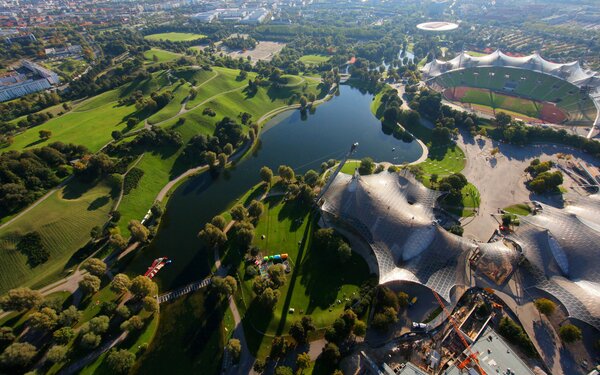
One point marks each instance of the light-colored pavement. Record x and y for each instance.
(500, 179)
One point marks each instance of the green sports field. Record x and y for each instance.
(175, 37)
(498, 101)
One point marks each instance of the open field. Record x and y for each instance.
(161, 55)
(311, 288)
(64, 222)
(175, 37)
(264, 51)
(314, 59)
(68, 67)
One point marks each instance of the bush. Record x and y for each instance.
(367, 166)
(515, 334)
(545, 306)
(32, 247)
(132, 179)
(120, 361)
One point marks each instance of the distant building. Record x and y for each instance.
(237, 15)
(68, 51)
(27, 79)
(20, 38)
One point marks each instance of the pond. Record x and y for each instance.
(302, 142)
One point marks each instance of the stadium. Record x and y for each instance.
(528, 87)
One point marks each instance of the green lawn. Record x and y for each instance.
(350, 166)
(175, 37)
(311, 288)
(68, 67)
(64, 221)
(519, 209)
(161, 55)
(443, 161)
(180, 92)
(91, 122)
(314, 59)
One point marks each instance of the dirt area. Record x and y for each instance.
(263, 51)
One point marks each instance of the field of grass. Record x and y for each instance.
(91, 122)
(311, 288)
(350, 166)
(64, 221)
(161, 55)
(314, 59)
(180, 92)
(175, 37)
(444, 160)
(225, 80)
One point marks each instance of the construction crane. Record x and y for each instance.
(335, 173)
(472, 357)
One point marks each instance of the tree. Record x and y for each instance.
(98, 324)
(20, 299)
(120, 283)
(302, 362)
(344, 252)
(545, 306)
(259, 366)
(286, 173)
(222, 157)
(94, 266)
(502, 119)
(219, 222)
(277, 274)
(212, 236)
(234, 347)
(210, 158)
(118, 242)
(138, 231)
(96, 232)
(570, 333)
(45, 134)
(90, 340)
(243, 233)
(331, 354)
(123, 312)
(360, 328)
(283, 370)
(268, 298)
(239, 212)
(18, 355)
(135, 323)
(303, 101)
(120, 360)
(142, 286)
(132, 121)
(223, 286)
(311, 178)
(6, 336)
(116, 135)
(57, 353)
(90, 284)
(150, 304)
(256, 209)
(69, 317)
(279, 347)
(367, 166)
(63, 335)
(266, 175)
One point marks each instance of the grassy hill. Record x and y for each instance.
(161, 55)
(91, 122)
(64, 222)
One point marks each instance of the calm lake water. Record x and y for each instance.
(290, 138)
